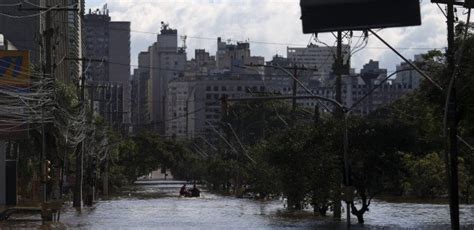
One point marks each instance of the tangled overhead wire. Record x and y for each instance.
(30, 98)
(25, 99)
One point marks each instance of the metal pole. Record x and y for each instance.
(187, 118)
(77, 196)
(87, 158)
(48, 33)
(339, 114)
(452, 122)
(294, 89)
(347, 170)
(338, 71)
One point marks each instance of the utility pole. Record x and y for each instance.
(79, 171)
(338, 113)
(90, 187)
(77, 196)
(452, 122)
(48, 72)
(342, 115)
(295, 69)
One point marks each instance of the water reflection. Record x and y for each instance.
(158, 207)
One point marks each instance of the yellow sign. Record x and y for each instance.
(14, 68)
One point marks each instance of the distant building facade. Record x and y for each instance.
(355, 87)
(319, 57)
(108, 47)
(410, 78)
(167, 62)
(234, 57)
(195, 103)
(139, 94)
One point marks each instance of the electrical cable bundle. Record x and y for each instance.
(26, 100)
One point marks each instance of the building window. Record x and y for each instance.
(239, 88)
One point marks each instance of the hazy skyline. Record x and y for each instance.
(269, 26)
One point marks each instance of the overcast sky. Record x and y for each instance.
(269, 25)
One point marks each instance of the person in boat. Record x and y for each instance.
(195, 192)
(183, 191)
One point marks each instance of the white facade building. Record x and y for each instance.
(167, 62)
(319, 57)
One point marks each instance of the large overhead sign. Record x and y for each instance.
(14, 68)
(338, 15)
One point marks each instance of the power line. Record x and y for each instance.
(273, 43)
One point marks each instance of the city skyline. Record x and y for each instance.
(269, 27)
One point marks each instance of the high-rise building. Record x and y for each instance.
(167, 62)
(195, 103)
(234, 57)
(139, 94)
(24, 32)
(108, 46)
(410, 78)
(319, 57)
(372, 71)
(63, 31)
(53, 38)
(371, 82)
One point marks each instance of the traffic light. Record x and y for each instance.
(47, 173)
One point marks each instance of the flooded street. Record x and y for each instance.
(159, 207)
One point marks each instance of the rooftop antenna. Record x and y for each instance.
(183, 38)
(164, 26)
